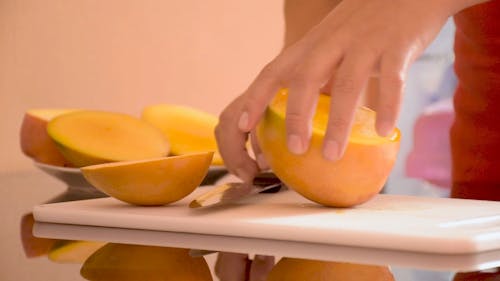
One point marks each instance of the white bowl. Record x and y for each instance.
(74, 178)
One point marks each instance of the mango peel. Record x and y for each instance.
(150, 182)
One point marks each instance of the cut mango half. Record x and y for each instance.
(121, 262)
(188, 130)
(94, 137)
(34, 140)
(355, 178)
(156, 181)
(294, 269)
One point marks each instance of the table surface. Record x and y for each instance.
(30, 257)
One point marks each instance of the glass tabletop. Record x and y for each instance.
(45, 251)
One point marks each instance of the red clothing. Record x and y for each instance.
(475, 134)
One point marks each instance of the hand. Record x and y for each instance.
(237, 267)
(232, 142)
(356, 40)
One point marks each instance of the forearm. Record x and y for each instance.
(302, 15)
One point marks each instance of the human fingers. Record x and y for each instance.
(393, 69)
(305, 84)
(260, 267)
(302, 99)
(231, 266)
(257, 97)
(259, 157)
(231, 142)
(349, 81)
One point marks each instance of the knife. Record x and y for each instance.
(235, 191)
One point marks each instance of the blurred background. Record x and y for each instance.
(122, 55)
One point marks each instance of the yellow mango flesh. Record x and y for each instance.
(122, 262)
(358, 176)
(188, 130)
(94, 137)
(150, 182)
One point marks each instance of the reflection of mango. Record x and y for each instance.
(94, 137)
(291, 269)
(33, 246)
(187, 129)
(73, 251)
(122, 262)
(355, 178)
(150, 182)
(35, 142)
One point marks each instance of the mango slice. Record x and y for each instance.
(136, 262)
(293, 269)
(94, 137)
(35, 142)
(150, 182)
(73, 251)
(188, 130)
(358, 176)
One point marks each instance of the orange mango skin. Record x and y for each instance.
(294, 269)
(354, 179)
(123, 262)
(35, 141)
(151, 182)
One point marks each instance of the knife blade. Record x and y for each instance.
(235, 191)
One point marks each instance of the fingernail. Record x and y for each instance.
(331, 150)
(243, 122)
(261, 161)
(384, 129)
(295, 144)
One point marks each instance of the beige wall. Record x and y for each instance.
(122, 55)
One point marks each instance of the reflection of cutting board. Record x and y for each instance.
(435, 225)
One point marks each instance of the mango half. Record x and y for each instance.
(35, 142)
(294, 269)
(136, 262)
(150, 182)
(187, 129)
(358, 176)
(93, 137)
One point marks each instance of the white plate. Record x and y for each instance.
(74, 178)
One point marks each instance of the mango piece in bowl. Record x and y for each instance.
(188, 129)
(93, 137)
(152, 182)
(35, 142)
(358, 176)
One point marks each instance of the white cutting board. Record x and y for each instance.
(432, 225)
